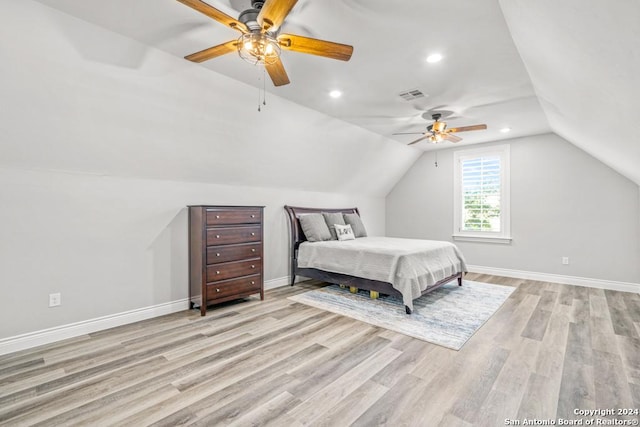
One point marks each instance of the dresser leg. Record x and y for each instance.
(262, 295)
(203, 309)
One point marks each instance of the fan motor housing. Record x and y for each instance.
(249, 18)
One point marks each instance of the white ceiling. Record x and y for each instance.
(550, 79)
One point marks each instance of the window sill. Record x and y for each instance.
(504, 240)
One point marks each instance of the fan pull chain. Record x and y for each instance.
(264, 86)
(436, 162)
(259, 95)
(262, 95)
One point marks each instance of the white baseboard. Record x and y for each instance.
(47, 336)
(58, 333)
(282, 281)
(557, 278)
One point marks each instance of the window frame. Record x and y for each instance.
(504, 236)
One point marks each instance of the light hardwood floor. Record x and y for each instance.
(550, 349)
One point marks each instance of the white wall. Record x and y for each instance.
(110, 245)
(563, 203)
(100, 154)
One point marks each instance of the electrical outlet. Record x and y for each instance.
(55, 300)
(565, 260)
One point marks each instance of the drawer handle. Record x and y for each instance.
(253, 234)
(253, 266)
(253, 283)
(217, 272)
(217, 290)
(217, 254)
(253, 250)
(217, 236)
(253, 216)
(217, 216)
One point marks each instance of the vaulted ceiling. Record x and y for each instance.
(570, 66)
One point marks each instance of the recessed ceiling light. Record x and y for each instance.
(434, 57)
(505, 130)
(335, 94)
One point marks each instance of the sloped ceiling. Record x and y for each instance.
(583, 58)
(570, 67)
(70, 104)
(480, 80)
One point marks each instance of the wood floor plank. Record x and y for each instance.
(549, 349)
(629, 350)
(326, 398)
(413, 353)
(395, 407)
(223, 388)
(603, 336)
(467, 407)
(611, 385)
(635, 393)
(353, 406)
(567, 294)
(270, 413)
(540, 399)
(331, 366)
(577, 386)
(633, 307)
(620, 317)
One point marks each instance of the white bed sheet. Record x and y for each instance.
(410, 265)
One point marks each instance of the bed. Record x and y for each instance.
(403, 268)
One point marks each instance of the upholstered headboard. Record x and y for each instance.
(297, 236)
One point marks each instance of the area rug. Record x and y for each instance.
(448, 316)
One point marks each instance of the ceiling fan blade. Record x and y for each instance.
(216, 14)
(315, 47)
(277, 73)
(452, 138)
(408, 133)
(420, 139)
(213, 52)
(467, 128)
(273, 13)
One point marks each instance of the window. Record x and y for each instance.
(481, 195)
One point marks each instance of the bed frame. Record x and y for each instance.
(375, 287)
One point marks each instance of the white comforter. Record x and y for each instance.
(410, 265)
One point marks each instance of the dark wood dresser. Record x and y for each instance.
(225, 253)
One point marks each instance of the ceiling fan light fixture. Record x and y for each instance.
(435, 138)
(335, 93)
(258, 48)
(505, 130)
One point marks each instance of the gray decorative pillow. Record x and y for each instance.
(332, 219)
(356, 224)
(344, 232)
(314, 227)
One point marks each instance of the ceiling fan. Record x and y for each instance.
(437, 131)
(260, 40)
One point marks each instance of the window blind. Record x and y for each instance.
(481, 177)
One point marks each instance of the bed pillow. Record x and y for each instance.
(314, 227)
(332, 219)
(354, 220)
(344, 232)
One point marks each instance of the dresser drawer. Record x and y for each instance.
(229, 270)
(223, 216)
(234, 287)
(218, 254)
(231, 235)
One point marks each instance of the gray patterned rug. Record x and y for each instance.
(448, 316)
